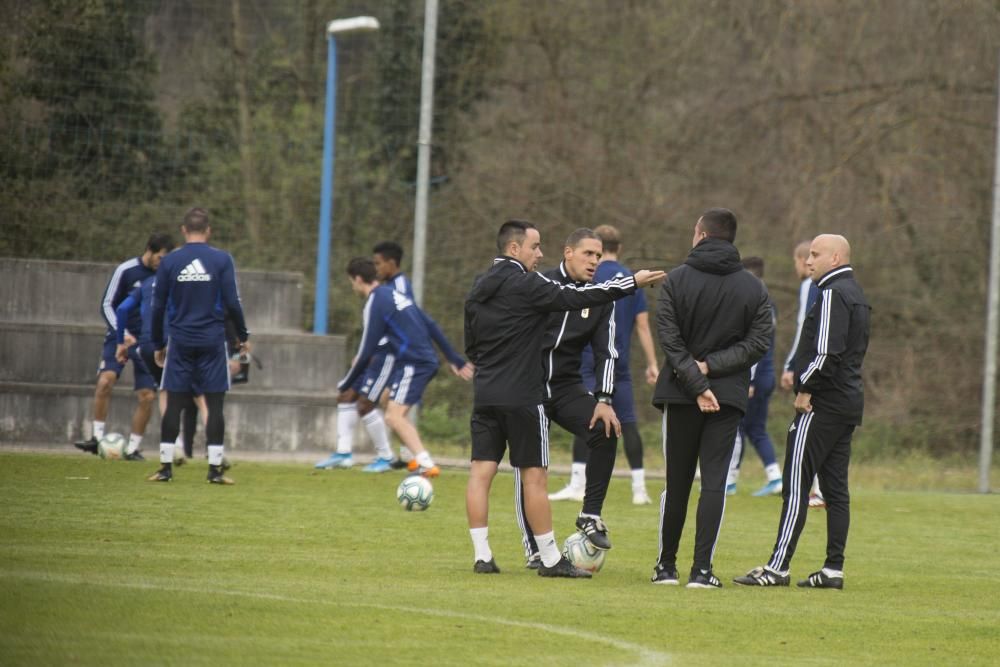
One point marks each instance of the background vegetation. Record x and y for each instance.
(875, 120)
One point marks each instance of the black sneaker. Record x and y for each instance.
(595, 530)
(761, 576)
(703, 579)
(135, 456)
(215, 476)
(486, 567)
(398, 464)
(563, 568)
(533, 562)
(665, 575)
(89, 446)
(162, 475)
(822, 580)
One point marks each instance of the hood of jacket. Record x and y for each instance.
(489, 283)
(716, 256)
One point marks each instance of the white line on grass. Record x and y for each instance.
(646, 655)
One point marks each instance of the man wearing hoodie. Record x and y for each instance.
(713, 321)
(506, 315)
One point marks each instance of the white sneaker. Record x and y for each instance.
(640, 497)
(568, 493)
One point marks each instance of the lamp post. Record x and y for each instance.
(333, 28)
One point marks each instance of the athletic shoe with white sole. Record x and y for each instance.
(89, 446)
(215, 476)
(568, 493)
(161, 475)
(703, 579)
(595, 530)
(640, 497)
(335, 461)
(772, 488)
(761, 576)
(822, 580)
(486, 567)
(665, 575)
(135, 456)
(563, 568)
(378, 465)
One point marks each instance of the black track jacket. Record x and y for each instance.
(711, 310)
(506, 315)
(569, 332)
(833, 345)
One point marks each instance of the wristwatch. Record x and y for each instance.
(604, 398)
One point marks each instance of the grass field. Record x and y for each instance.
(295, 567)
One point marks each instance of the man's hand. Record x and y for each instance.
(121, 353)
(787, 380)
(160, 357)
(703, 367)
(751, 392)
(707, 401)
(652, 374)
(465, 372)
(605, 413)
(129, 339)
(245, 347)
(803, 402)
(645, 277)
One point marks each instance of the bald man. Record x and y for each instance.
(829, 402)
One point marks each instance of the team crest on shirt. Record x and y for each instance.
(585, 313)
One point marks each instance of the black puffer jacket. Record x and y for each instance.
(711, 310)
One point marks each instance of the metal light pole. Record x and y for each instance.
(424, 148)
(333, 28)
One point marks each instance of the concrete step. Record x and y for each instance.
(50, 291)
(70, 354)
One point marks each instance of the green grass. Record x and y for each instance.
(295, 567)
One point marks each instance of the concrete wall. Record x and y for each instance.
(51, 334)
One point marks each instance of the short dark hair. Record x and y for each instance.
(719, 223)
(610, 237)
(512, 231)
(362, 266)
(389, 250)
(196, 220)
(159, 241)
(754, 265)
(573, 240)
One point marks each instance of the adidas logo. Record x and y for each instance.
(194, 272)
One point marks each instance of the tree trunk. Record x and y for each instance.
(247, 169)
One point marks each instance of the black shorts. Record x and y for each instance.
(523, 428)
(572, 407)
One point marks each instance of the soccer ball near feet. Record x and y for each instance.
(112, 446)
(579, 550)
(415, 493)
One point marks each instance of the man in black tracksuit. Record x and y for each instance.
(567, 401)
(829, 401)
(505, 320)
(714, 322)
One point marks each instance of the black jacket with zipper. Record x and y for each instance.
(711, 310)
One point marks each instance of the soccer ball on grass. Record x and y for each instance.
(112, 446)
(415, 493)
(582, 553)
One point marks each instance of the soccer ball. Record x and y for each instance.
(582, 553)
(415, 493)
(112, 446)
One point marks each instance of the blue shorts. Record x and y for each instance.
(142, 377)
(147, 374)
(409, 381)
(375, 379)
(196, 370)
(622, 401)
(108, 361)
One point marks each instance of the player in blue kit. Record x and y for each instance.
(195, 288)
(127, 275)
(394, 315)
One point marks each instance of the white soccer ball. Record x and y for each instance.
(112, 446)
(415, 493)
(581, 552)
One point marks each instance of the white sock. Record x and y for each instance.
(773, 472)
(98, 431)
(347, 419)
(833, 573)
(481, 544)
(578, 476)
(424, 460)
(134, 440)
(215, 455)
(166, 452)
(405, 455)
(639, 479)
(374, 423)
(547, 548)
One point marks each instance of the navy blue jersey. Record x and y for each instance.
(195, 286)
(141, 299)
(626, 310)
(401, 284)
(127, 276)
(391, 314)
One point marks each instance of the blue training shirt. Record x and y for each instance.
(402, 284)
(127, 276)
(141, 298)
(391, 314)
(195, 286)
(626, 309)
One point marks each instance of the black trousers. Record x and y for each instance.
(690, 436)
(572, 407)
(817, 444)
